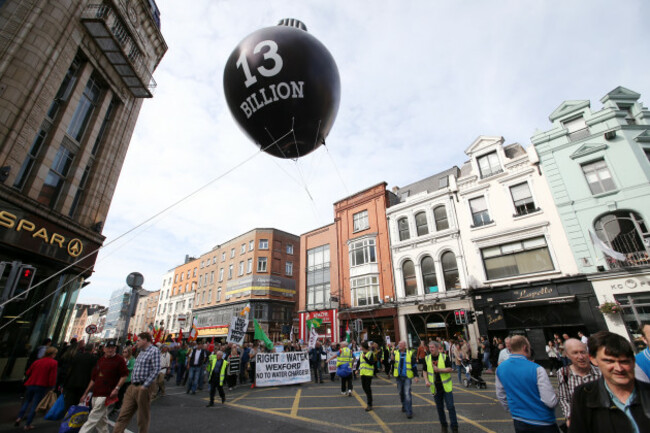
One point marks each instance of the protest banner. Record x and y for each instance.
(287, 368)
(237, 331)
(331, 366)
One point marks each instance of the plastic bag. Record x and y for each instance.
(57, 411)
(47, 402)
(74, 419)
(343, 370)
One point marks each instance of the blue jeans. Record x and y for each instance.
(522, 427)
(486, 361)
(461, 370)
(33, 397)
(446, 398)
(404, 389)
(193, 378)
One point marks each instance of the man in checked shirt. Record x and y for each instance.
(138, 395)
(570, 377)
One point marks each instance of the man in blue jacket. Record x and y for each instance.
(524, 389)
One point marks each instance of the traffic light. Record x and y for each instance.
(471, 316)
(22, 281)
(461, 317)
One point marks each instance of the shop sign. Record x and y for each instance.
(541, 292)
(494, 320)
(40, 236)
(635, 283)
(438, 306)
(326, 315)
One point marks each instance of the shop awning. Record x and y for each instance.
(542, 301)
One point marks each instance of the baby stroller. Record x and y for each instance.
(474, 369)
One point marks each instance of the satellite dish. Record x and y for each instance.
(283, 88)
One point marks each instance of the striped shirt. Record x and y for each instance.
(568, 381)
(147, 366)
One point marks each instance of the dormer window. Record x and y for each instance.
(577, 128)
(489, 164)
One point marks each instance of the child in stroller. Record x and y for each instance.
(474, 370)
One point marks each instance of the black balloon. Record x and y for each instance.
(283, 88)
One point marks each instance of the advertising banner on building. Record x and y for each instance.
(237, 331)
(275, 369)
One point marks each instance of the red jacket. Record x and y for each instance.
(42, 373)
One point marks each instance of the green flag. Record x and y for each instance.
(260, 335)
(314, 323)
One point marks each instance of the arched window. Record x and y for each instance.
(450, 270)
(623, 232)
(440, 216)
(410, 283)
(429, 279)
(403, 227)
(421, 223)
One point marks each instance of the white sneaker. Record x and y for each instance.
(350, 392)
(343, 393)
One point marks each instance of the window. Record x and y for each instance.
(403, 229)
(480, 215)
(84, 110)
(440, 217)
(421, 224)
(194, 273)
(223, 256)
(108, 118)
(232, 253)
(176, 278)
(318, 277)
(489, 165)
(243, 249)
(80, 191)
(221, 275)
(522, 199)
(66, 87)
(258, 311)
(577, 128)
(450, 271)
(56, 177)
(410, 282)
(30, 160)
(181, 275)
(261, 264)
(517, 258)
(598, 177)
(251, 245)
(362, 252)
(360, 221)
(209, 295)
(429, 279)
(290, 249)
(365, 291)
(218, 294)
(188, 274)
(249, 266)
(623, 231)
(646, 150)
(264, 244)
(288, 268)
(214, 260)
(230, 269)
(200, 282)
(241, 268)
(211, 277)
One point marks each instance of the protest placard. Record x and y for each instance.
(331, 365)
(287, 368)
(237, 331)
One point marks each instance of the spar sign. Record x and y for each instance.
(287, 368)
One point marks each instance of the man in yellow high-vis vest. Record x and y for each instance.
(438, 377)
(405, 371)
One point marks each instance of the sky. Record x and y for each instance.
(420, 81)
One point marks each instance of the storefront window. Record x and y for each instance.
(636, 310)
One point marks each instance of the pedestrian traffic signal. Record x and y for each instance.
(461, 317)
(22, 281)
(471, 316)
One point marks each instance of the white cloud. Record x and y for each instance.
(420, 81)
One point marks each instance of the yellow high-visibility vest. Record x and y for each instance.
(444, 377)
(409, 368)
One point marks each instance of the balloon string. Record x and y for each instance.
(337, 169)
(304, 185)
(164, 210)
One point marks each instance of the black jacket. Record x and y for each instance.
(592, 410)
(203, 357)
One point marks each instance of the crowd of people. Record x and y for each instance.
(601, 384)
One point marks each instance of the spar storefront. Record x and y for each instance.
(329, 328)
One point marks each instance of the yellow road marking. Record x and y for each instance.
(373, 415)
(467, 420)
(296, 403)
(241, 397)
(298, 418)
(476, 393)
